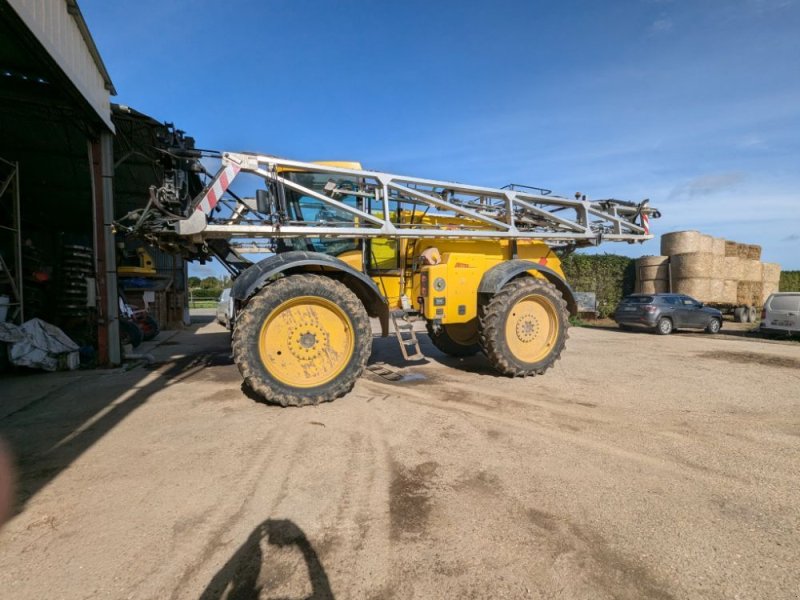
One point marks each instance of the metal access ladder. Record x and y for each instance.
(406, 336)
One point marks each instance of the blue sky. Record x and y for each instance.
(693, 104)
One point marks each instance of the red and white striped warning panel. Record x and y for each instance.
(646, 224)
(221, 183)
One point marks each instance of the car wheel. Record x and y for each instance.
(664, 326)
(713, 326)
(739, 314)
(752, 314)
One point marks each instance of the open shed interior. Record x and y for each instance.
(45, 132)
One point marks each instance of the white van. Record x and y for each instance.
(781, 313)
(225, 309)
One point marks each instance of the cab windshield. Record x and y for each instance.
(307, 210)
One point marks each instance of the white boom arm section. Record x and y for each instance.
(357, 203)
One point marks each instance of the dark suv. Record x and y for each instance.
(666, 312)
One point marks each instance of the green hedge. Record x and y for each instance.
(790, 281)
(609, 276)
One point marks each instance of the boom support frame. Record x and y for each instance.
(482, 212)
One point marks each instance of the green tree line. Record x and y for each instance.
(208, 288)
(609, 276)
(790, 281)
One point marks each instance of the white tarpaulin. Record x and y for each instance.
(39, 345)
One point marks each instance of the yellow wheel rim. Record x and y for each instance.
(306, 341)
(532, 328)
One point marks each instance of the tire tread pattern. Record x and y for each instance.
(248, 328)
(492, 324)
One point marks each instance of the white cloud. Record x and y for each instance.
(661, 25)
(706, 185)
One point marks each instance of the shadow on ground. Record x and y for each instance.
(725, 333)
(387, 351)
(253, 568)
(50, 433)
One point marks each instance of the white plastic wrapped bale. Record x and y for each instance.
(40, 345)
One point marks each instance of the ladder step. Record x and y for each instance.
(402, 328)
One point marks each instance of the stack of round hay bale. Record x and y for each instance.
(652, 274)
(710, 269)
(698, 264)
(750, 289)
(732, 272)
(770, 280)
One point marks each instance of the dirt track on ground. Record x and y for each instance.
(639, 467)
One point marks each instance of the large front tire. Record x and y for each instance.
(524, 327)
(303, 339)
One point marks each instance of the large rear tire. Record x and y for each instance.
(302, 340)
(523, 328)
(456, 340)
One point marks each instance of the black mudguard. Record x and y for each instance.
(496, 277)
(252, 279)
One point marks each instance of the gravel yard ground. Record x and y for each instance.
(641, 466)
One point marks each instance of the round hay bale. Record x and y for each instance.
(716, 290)
(652, 261)
(660, 272)
(729, 291)
(754, 252)
(768, 288)
(692, 286)
(706, 243)
(702, 265)
(741, 250)
(649, 268)
(770, 272)
(749, 293)
(732, 268)
(653, 287)
(684, 242)
(731, 248)
(718, 246)
(751, 270)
